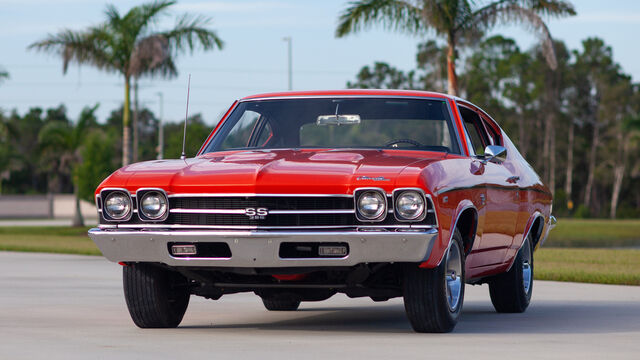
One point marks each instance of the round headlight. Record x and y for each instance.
(371, 205)
(410, 205)
(117, 205)
(153, 205)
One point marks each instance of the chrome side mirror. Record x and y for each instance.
(495, 153)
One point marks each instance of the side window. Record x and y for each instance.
(493, 135)
(265, 135)
(239, 136)
(475, 130)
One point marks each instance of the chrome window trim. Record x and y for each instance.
(113, 189)
(141, 216)
(385, 196)
(445, 98)
(344, 96)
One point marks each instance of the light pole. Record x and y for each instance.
(160, 128)
(289, 40)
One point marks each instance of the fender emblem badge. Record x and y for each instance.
(376, 178)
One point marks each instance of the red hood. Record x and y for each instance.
(278, 171)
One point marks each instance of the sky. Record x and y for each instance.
(254, 58)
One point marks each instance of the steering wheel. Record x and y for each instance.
(394, 143)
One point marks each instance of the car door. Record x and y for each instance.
(501, 203)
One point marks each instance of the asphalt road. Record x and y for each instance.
(72, 307)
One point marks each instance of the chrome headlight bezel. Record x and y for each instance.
(142, 194)
(376, 193)
(106, 195)
(398, 193)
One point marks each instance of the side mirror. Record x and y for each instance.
(495, 153)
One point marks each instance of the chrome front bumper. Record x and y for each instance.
(261, 248)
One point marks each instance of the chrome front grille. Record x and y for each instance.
(284, 211)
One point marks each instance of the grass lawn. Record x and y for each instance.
(64, 240)
(602, 266)
(595, 233)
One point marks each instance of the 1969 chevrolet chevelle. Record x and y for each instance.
(298, 196)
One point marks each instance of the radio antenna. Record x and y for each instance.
(186, 116)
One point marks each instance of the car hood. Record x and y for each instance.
(278, 171)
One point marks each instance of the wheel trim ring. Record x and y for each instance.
(453, 277)
(527, 272)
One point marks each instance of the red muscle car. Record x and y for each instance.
(297, 196)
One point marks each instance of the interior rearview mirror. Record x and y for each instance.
(338, 120)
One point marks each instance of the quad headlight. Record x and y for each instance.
(410, 205)
(371, 205)
(153, 205)
(117, 205)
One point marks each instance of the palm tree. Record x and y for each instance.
(129, 45)
(60, 144)
(454, 20)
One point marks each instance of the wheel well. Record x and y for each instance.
(468, 224)
(536, 230)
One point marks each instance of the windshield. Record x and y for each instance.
(412, 124)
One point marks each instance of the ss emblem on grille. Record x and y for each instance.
(256, 213)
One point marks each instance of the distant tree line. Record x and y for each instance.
(43, 151)
(578, 125)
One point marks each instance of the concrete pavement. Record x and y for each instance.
(72, 307)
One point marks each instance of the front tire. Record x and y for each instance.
(433, 297)
(156, 297)
(511, 292)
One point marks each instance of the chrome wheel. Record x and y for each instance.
(453, 276)
(527, 272)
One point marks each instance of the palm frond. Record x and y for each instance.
(397, 15)
(87, 122)
(446, 15)
(510, 12)
(56, 136)
(143, 16)
(191, 32)
(113, 15)
(77, 47)
(551, 8)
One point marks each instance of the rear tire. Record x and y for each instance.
(433, 297)
(156, 297)
(511, 291)
(281, 303)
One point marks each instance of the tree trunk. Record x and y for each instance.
(451, 66)
(618, 172)
(77, 216)
(552, 163)
(126, 130)
(136, 127)
(546, 147)
(568, 184)
(522, 138)
(595, 142)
